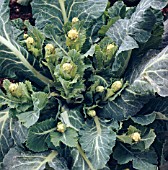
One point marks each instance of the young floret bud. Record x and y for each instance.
(73, 34)
(49, 49)
(91, 113)
(13, 87)
(136, 136)
(67, 67)
(30, 41)
(117, 85)
(110, 46)
(61, 127)
(75, 19)
(99, 89)
(25, 36)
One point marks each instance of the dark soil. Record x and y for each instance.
(19, 11)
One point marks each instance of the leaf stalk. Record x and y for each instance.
(84, 157)
(62, 5)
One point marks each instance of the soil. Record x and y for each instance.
(19, 11)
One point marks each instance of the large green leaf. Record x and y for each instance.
(140, 160)
(150, 78)
(31, 117)
(78, 162)
(39, 134)
(11, 133)
(97, 141)
(69, 138)
(18, 159)
(60, 11)
(73, 119)
(144, 119)
(126, 33)
(14, 59)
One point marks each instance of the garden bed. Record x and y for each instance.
(84, 85)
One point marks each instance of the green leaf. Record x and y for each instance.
(38, 37)
(148, 78)
(14, 59)
(39, 134)
(144, 119)
(69, 138)
(62, 11)
(18, 159)
(78, 162)
(73, 119)
(127, 33)
(118, 9)
(11, 133)
(140, 160)
(148, 139)
(156, 73)
(97, 141)
(29, 118)
(131, 100)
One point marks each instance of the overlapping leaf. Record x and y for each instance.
(39, 134)
(31, 117)
(18, 159)
(140, 160)
(11, 133)
(52, 12)
(97, 142)
(151, 78)
(14, 59)
(127, 33)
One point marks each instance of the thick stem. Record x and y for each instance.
(84, 157)
(62, 5)
(96, 120)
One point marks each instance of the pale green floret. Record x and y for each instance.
(100, 89)
(30, 40)
(49, 49)
(13, 87)
(91, 113)
(110, 46)
(75, 19)
(25, 36)
(73, 34)
(15, 90)
(67, 67)
(117, 85)
(136, 137)
(61, 127)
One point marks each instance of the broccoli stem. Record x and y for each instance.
(62, 5)
(84, 157)
(96, 120)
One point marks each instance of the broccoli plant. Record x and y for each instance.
(89, 89)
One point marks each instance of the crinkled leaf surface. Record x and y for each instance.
(39, 134)
(140, 160)
(14, 59)
(144, 119)
(78, 162)
(11, 133)
(31, 117)
(97, 142)
(69, 138)
(51, 12)
(73, 119)
(126, 33)
(151, 78)
(18, 159)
